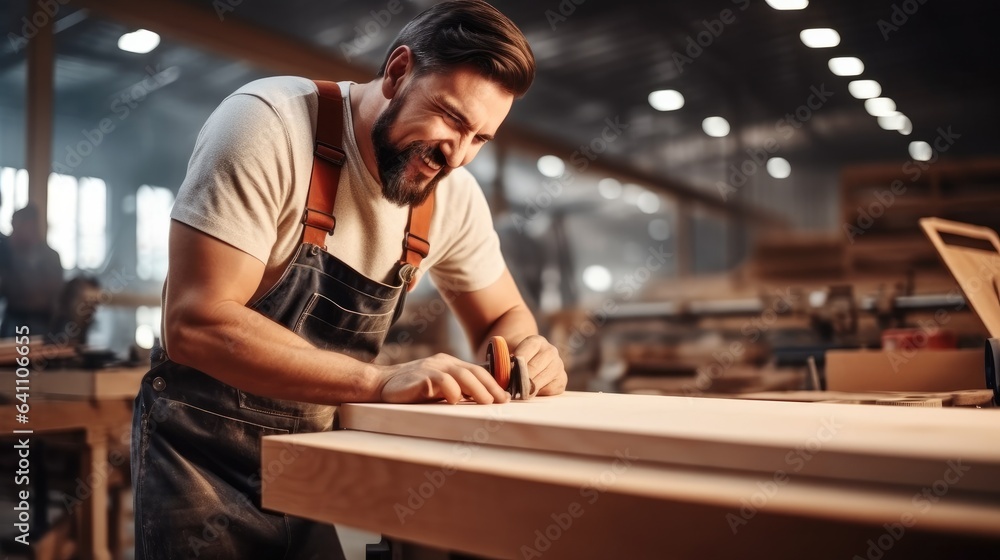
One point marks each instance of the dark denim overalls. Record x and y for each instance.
(196, 469)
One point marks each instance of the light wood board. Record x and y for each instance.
(848, 442)
(977, 270)
(111, 383)
(501, 502)
(903, 370)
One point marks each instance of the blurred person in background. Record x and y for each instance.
(31, 276)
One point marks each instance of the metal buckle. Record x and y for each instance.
(423, 249)
(407, 273)
(333, 219)
(331, 154)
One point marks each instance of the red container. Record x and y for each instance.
(918, 339)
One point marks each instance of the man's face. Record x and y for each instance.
(435, 123)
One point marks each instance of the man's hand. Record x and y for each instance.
(440, 377)
(546, 368)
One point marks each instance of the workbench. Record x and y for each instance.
(98, 405)
(589, 475)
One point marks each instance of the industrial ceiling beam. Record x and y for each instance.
(268, 49)
(613, 166)
(230, 37)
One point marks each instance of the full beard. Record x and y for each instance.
(393, 161)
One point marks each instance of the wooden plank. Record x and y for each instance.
(111, 383)
(513, 503)
(10, 351)
(904, 370)
(872, 444)
(970, 398)
(977, 270)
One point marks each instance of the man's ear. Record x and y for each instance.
(398, 69)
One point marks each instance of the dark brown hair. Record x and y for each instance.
(469, 32)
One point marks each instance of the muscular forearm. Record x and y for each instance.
(515, 325)
(246, 350)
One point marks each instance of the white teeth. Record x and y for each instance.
(431, 164)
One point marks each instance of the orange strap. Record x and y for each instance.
(328, 161)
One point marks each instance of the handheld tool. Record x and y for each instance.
(511, 372)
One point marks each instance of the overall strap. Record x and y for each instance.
(415, 244)
(328, 161)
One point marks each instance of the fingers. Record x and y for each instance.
(442, 377)
(546, 368)
(477, 385)
(448, 388)
(482, 378)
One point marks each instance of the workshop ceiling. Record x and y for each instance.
(597, 60)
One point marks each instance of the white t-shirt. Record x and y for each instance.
(248, 180)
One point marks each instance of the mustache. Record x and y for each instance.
(421, 150)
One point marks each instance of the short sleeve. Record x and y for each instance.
(472, 259)
(239, 176)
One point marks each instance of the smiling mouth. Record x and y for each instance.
(431, 163)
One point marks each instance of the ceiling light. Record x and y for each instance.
(820, 38)
(666, 100)
(597, 278)
(864, 89)
(895, 121)
(921, 151)
(880, 107)
(659, 229)
(716, 127)
(631, 193)
(846, 66)
(139, 42)
(907, 127)
(551, 166)
(648, 203)
(609, 188)
(779, 168)
(787, 4)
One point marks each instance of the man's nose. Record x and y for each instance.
(456, 150)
